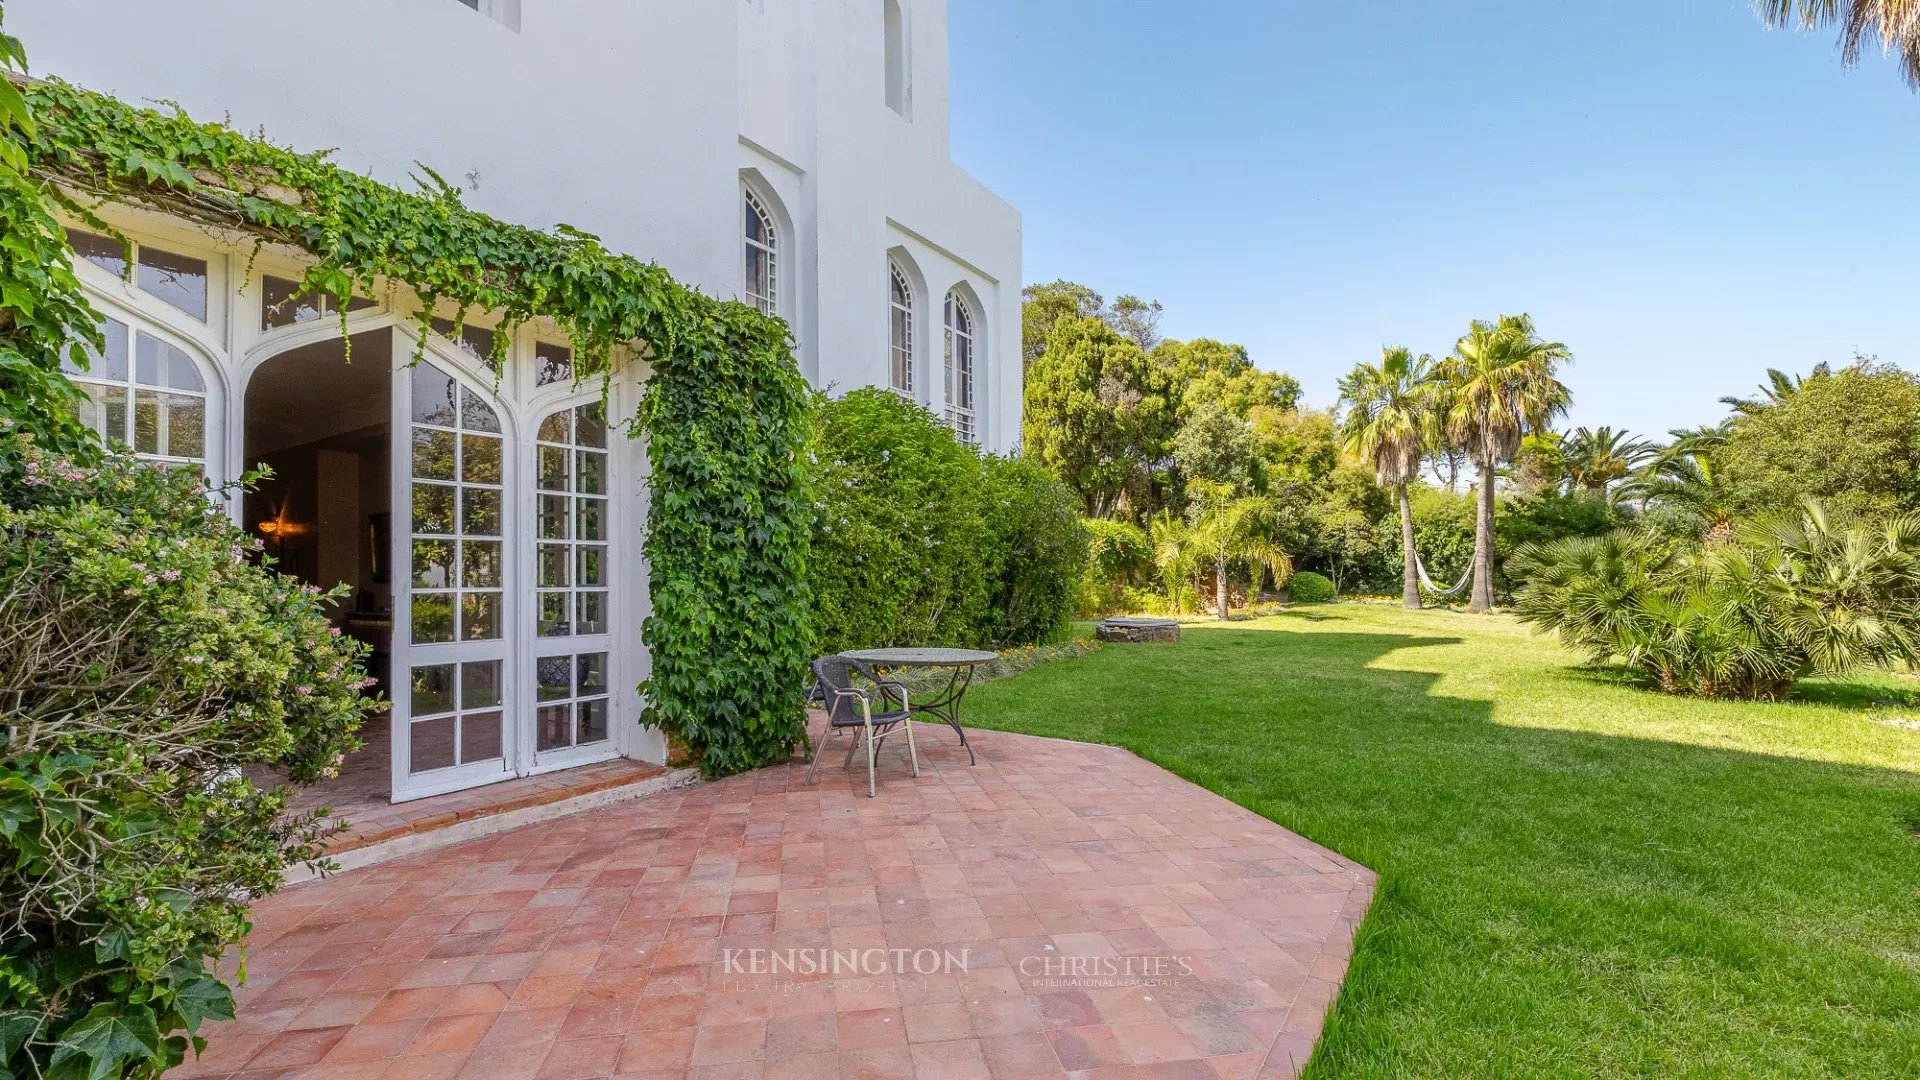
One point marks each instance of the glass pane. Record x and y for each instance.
(432, 396)
(553, 517)
(174, 279)
(432, 618)
(479, 684)
(592, 519)
(110, 365)
(146, 424)
(480, 564)
(552, 619)
(551, 363)
(551, 563)
(283, 304)
(590, 670)
(432, 564)
(160, 364)
(479, 616)
(553, 679)
(758, 271)
(554, 428)
(592, 566)
(432, 690)
(360, 303)
(433, 454)
(590, 472)
(113, 412)
(480, 736)
(593, 720)
(183, 424)
(555, 727)
(92, 413)
(552, 470)
(432, 508)
(592, 612)
(102, 251)
(476, 414)
(480, 512)
(590, 425)
(432, 744)
(480, 459)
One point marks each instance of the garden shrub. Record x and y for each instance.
(919, 539)
(1307, 587)
(1785, 596)
(144, 661)
(1119, 557)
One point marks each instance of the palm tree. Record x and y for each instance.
(1597, 458)
(1895, 22)
(1683, 475)
(1779, 388)
(1390, 423)
(1221, 529)
(1499, 384)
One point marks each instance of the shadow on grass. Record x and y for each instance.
(1537, 880)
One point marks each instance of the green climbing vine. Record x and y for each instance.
(724, 412)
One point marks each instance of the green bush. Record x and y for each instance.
(1785, 596)
(1119, 557)
(919, 539)
(144, 661)
(1307, 587)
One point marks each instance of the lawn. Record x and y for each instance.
(1579, 877)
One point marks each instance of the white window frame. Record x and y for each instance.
(899, 330)
(769, 301)
(962, 345)
(131, 327)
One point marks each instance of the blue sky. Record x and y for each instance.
(1680, 195)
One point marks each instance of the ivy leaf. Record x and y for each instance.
(204, 998)
(109, 1037)
(16, 1027)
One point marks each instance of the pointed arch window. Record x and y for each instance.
(900, 330)
(960, 345)
(762, 240)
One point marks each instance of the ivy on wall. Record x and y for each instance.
(724, 411)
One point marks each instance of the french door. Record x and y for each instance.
(502, 642)
(451, 639)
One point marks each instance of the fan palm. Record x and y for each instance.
(1499, 384)
(1598, 458)
(1390, 423)
(1895, 22)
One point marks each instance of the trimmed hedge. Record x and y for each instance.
(1307, 587)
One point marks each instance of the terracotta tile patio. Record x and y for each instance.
(360, 794)
(1115, 921)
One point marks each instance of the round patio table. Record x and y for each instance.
(946, 703)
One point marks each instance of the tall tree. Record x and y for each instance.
(1044, 305)
(1204, 370)
(1390, 424)
(1778, 388)
(1500, 383)
(1137, 319)
(1097, 415)
(1895, 22)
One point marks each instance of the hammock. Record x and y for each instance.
(1427, 582)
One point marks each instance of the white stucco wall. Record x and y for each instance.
(634, 121)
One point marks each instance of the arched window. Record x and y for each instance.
(960, 342)
(761, 240)
(898, 75)
(157, 405)
(900, 330)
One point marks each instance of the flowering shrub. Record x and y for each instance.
(144, 660)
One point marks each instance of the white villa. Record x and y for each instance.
(791, 153)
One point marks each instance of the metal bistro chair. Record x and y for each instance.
(851, 707)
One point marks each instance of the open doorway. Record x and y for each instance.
(323, 424)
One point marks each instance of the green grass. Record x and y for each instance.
(1579, 877)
